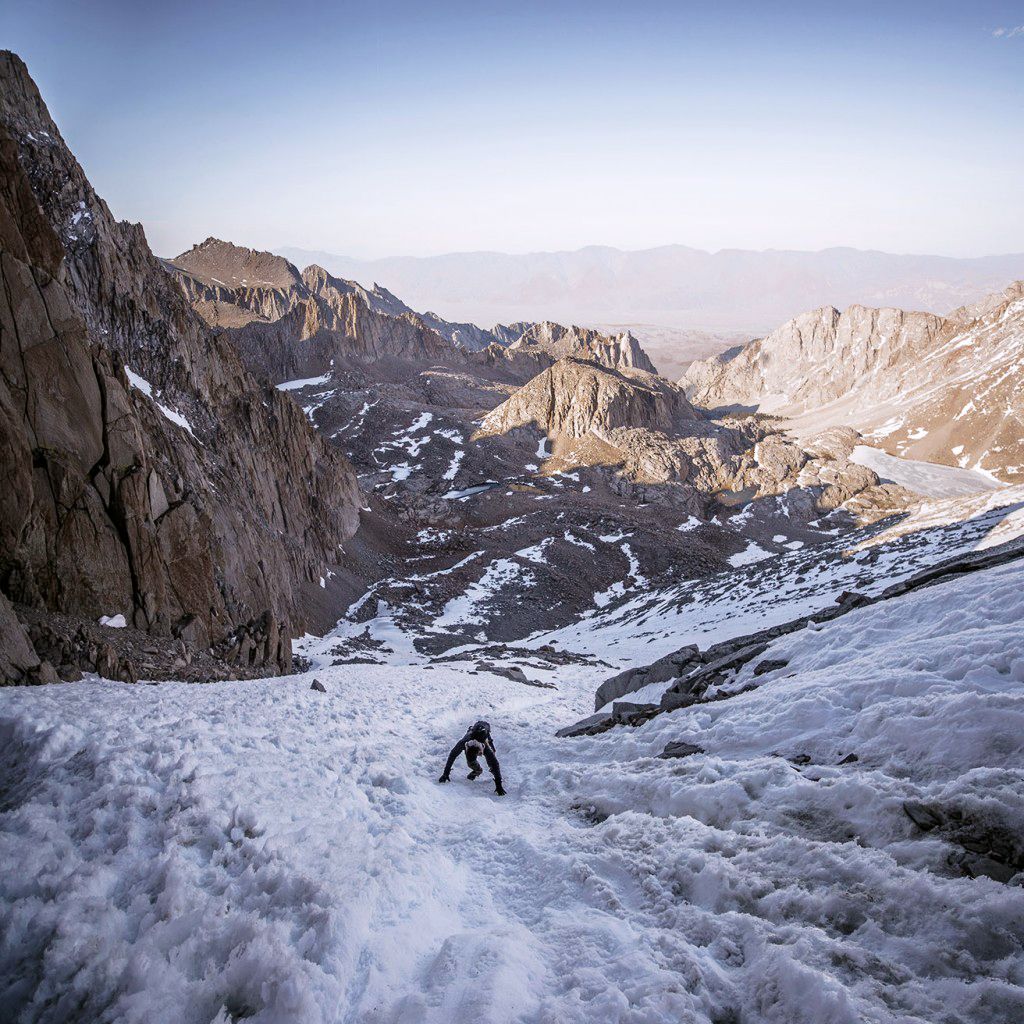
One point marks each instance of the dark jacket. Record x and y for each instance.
(476, 741)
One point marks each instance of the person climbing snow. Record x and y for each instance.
(477, 741)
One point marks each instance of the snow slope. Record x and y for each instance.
(646, 625)
(258, 851)
(927, 478)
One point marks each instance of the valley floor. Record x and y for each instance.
(259, 851)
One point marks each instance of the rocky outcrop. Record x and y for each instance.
(147, 472)
(540, 345)
(816, 358)
(266, 304)
(288, 325)
(644, 428)
(690, 672)
(17, 656)
(576, 397)
(632, 679)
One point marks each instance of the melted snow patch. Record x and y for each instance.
(468, 492)
(452, 471)
(468, 608)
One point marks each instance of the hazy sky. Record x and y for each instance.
(376, 129)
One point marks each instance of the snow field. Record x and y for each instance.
(928, 478)
(257, 851)
(838, 908)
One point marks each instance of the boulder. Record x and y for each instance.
(769, 665)
(17, 656)
(924, 816)
(669, 667)
(43, 674)
(626, 713)
(600, 722)
(680, 748)
(318, 686)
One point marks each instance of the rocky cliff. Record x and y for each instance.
(148, 473)
(815, 358)
(939, 389)
(539, 345)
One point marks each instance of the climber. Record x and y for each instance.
(477, 741)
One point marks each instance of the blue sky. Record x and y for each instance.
(378, 129)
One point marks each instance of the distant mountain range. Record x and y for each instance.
(682, 303)
(732, 290)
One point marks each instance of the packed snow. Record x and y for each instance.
(144, 386)
(259, 851)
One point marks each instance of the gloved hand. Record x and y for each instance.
(499, 791)
(444, 778)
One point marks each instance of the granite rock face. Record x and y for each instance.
(815, 358)
(937, 389)
(147, 472)
(539, 345)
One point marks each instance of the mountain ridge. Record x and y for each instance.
(939, 389)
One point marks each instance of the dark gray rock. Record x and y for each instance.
(769, 665)
(670, 667)
(976, 865)
(17, 656)
(680, 748)
(692, 687)
(44, 674)
(626, 713)
(318, 686)
(600, 722)
(924, 816)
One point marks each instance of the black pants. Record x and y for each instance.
(473, 752)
